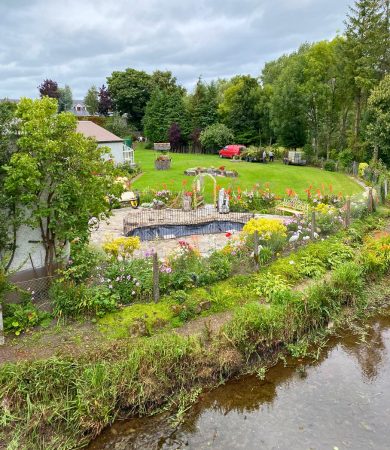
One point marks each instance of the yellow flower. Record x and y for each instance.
(265, 228)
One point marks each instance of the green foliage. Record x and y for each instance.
(268, 285)
(239, 108)
(379, 119)
(165, 108)
(216, 136)
(21, 317)
(330, 166)
(53, 176)
(76, 300)
(83, 262)
(91, 100)
(118, 125)
(65, 100)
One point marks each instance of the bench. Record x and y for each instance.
(293, 206)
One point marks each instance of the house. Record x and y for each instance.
(121, 151)
(79, 108)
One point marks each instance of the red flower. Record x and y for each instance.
(228, 234)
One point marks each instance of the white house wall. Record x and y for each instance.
(116, 151)
(28, 243)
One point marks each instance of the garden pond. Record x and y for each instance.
(340, 401)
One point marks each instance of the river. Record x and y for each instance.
(341, 401)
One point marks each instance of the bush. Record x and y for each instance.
(216, 136)
(266, 228)
(330, 166)
(21, 317)
(122, 247)
(82, 263)
(73, 300)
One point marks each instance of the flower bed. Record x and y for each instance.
(216, 172)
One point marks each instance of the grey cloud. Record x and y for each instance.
(81, 42)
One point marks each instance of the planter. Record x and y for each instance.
(162, 164)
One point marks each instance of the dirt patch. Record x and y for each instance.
(210, 324)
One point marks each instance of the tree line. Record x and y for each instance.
(328, 97)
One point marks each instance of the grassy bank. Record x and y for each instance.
(279, 176)
(63, 403)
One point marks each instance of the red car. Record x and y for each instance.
(230, 151)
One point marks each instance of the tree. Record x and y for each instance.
(366, 53)
(216, 136)
(164, 108)
(378, 130)
(91, 100)
(9, 219)
(238, 109)
(105, 103)
(174, 136)
(130, 92)
(65, 100)
(57, 177)
(288, 103)
(49, 88)
(203, 105)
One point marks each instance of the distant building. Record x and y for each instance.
(120, 149)
(79, 108)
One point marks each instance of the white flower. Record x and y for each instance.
(291, 262)
(306, 238)
(133, 293)
(137, 283)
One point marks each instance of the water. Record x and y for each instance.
(342, 401)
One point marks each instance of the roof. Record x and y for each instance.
(90, 129)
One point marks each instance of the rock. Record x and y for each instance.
(206, 305)
(176, 309)
(159, 323)
(138, 328)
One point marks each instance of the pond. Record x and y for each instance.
(341, 401)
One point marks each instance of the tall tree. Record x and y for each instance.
(238, 109)
(49, 88)
(378, 130)
(65, 99)
(203, 105)
(367, 43)
(130, 92)
(91, 100)
(105, 103)
(52, 176)
(165, 108)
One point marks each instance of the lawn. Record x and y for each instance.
(279, 176)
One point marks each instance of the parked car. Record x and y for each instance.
(231, 151)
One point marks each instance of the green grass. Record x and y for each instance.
(279, 176)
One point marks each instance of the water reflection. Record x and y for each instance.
(343, 401)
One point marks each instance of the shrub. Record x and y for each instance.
(73, 300)
(266, 228)
(21, 317)
(362, 168)
(82, 263)
(216, 136)
(268, 285)
(122, 247)
(330, 166)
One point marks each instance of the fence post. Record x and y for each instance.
(156, 283)
(370, 201)
(348, 212)
(355, 169)
(2, 341)
(385, 186)
(313, 225)
(256, 249)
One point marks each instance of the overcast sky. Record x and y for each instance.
(80, 42)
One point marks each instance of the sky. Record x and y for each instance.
(81, 42)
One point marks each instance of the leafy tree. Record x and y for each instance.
(91, 100)
(165, 108)
(203, 105)
(8, 218)
(288, 104)
(65, 100)
(130, 92)
(53, 177)
(49, 88)
(366, 53)
(378, 130)
(238, 109)
(105, 103)
(164, 80)
(174, 136)
(216, 136)
(118, 125)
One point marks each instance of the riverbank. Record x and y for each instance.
(65, 402)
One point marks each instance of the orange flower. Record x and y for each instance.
(330, 188)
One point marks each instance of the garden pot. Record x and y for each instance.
(163, 164)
